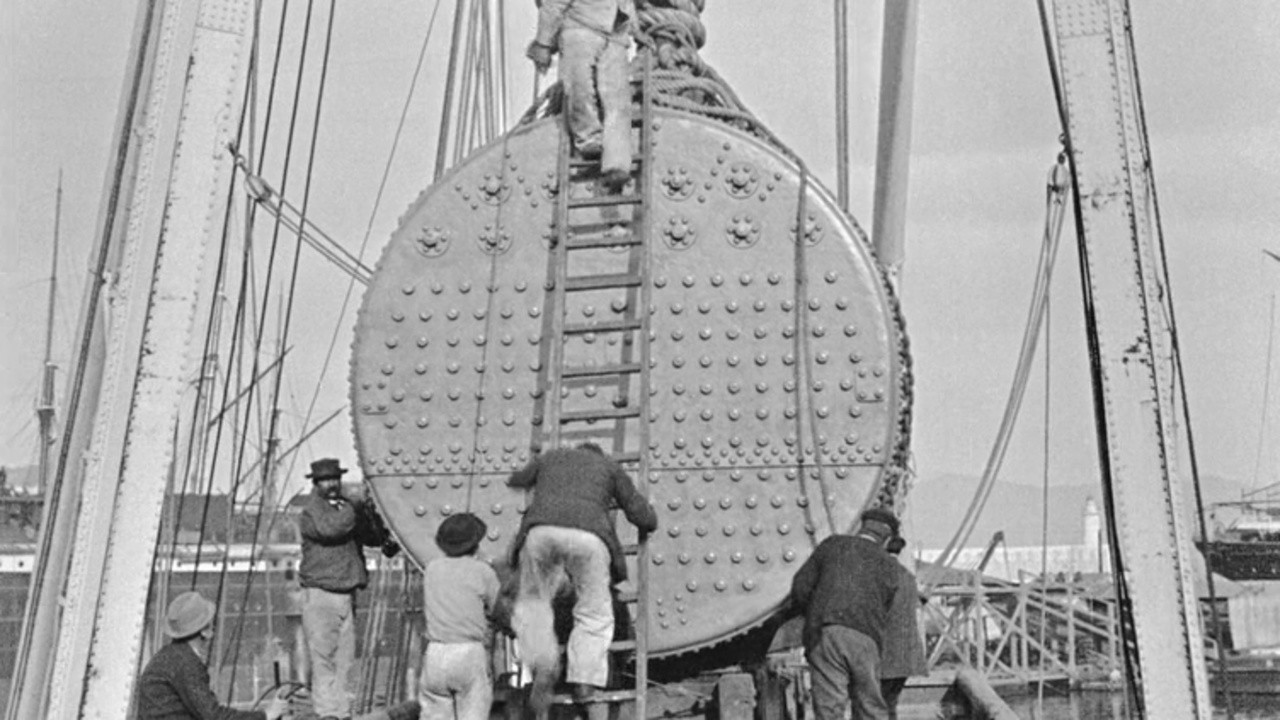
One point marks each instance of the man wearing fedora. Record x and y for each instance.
(845, 590)
(567, 541)
(459, 592)
(335, 529)
(175, 683)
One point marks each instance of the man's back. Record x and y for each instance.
(848, 581)
(576, 488)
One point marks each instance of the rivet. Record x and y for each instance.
(717, 280)
(397, 316)
(420, 510)
(676, 308)
(749, 584)
(752, 501)
(789, 555)
(658, 559)
(423, 421)
(784, 529)
(762, 359)
(684, 558)
(762, 557)
(831, 276)
(692, 586)
(721, 585)
(674, 531)
(406, 483)
(408, 289)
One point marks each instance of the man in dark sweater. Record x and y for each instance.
(567, 541)
(175, 683)
(845, 590)
(334, 530)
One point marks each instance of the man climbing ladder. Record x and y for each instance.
(593, 38)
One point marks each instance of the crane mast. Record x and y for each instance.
(1129, 323)
(163, 213)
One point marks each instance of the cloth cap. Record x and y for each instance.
(188, 614)
(882, 516)
(460, 534)
(326, 468)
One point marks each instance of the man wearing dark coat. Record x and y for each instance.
(845, 590)
(175, 683)
(567, 541)
(335, 528)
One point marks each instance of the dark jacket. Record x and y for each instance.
(332, 533)
(576, 488)
(175, 686)
(902, 654)
(847, 581)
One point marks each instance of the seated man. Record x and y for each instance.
(175, 683)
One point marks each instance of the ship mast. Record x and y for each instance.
(44, 411)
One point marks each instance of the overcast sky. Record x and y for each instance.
(985, 135)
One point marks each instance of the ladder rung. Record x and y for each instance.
(626, 457)
(631, 549)
(576, 161)
(599, 696)
(601, 282)
(602, 241)
(604, 200)
(628, 597)
(622, 646)
(583, 371)
(610, 414)
(603, 327)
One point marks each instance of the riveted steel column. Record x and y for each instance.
(194, 82)
(1131, 339)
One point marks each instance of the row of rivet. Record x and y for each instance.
(741, 456)
(659, 281)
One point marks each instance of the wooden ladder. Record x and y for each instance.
(595, 226)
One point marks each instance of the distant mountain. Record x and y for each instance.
(937, 504)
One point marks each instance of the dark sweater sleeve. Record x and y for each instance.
(192, 686)
(804, 581)
(525, 477)
(633, 504)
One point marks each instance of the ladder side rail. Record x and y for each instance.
(558, 300)
(640, 228)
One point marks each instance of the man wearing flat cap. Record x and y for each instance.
(459, 592)
(175, 683)
(845, 590)
(335, 529)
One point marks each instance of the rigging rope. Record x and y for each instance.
(1056, 193)
(373, 214)
(268, 464)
